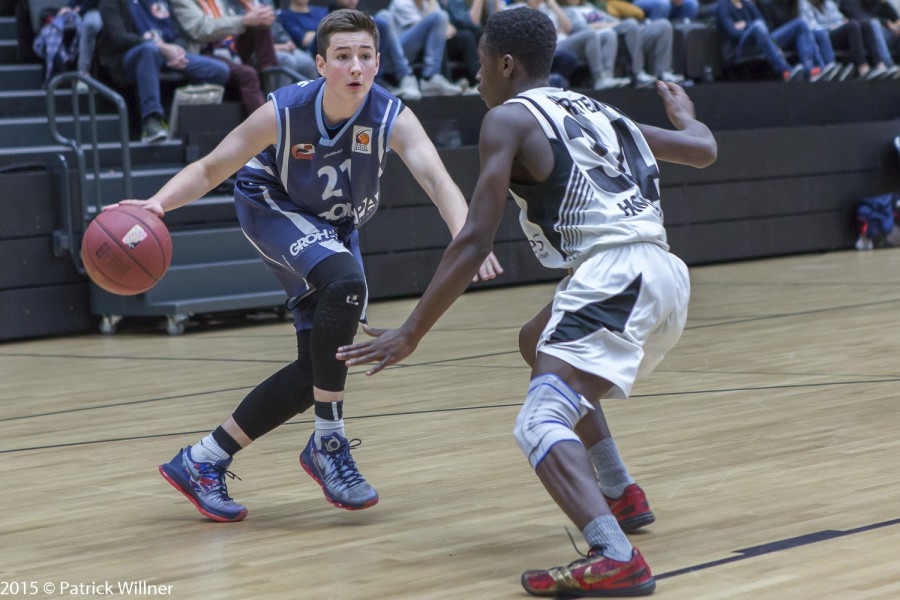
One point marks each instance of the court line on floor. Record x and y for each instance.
(779, 546)
(415, 413)
(656, 395)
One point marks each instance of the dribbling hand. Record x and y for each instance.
(154, 207)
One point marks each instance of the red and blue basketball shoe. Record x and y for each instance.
(335, 470)
(204, 485)
(594, 577)
(631, 509)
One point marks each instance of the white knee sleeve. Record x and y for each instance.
(548, 417)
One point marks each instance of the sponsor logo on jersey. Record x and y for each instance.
(340, 212)
(312, 238)
(362, 139)
(303, 151)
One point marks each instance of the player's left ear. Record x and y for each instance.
(507, 65)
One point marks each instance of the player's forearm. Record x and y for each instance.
(189, 184)
(451, 205)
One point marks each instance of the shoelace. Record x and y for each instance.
(345, 467)
(217, 474)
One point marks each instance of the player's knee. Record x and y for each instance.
(548, 417)
(341, 303)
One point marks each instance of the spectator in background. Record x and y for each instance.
(676, 10)
(881, 11)
(235, 34)
(593, 43)
(462, 46)
(299, 21)
(790, 30)
(424, 29)
(289, 55)
(856, 37)
(137, 43)
(746, 33)
(646, 41)
(91, 25)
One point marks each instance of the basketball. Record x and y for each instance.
(126, 250)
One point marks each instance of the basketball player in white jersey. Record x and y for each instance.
(587, 184)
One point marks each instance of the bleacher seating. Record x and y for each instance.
(793, 161)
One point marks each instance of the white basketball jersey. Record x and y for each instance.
(604, 187)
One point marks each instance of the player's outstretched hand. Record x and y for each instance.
(679, 107)
(154, 207)
(489, 269)
(388, 347)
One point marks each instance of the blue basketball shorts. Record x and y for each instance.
(290, 242)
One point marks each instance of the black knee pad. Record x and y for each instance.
(340, 301)
(339, 306)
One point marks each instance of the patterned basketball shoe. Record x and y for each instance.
(595, 577)
(631, 509)
(335, 470)
(204, 485)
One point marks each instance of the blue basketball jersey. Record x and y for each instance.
(302, 199)
(333, 178)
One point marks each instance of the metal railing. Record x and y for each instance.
(81, 85)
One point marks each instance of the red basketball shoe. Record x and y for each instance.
(595, 576)
(631, 509)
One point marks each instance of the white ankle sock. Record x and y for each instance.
(207, 450)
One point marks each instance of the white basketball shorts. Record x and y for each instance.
(619, 313)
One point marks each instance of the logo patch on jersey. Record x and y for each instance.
(362, 139)
(303, 151)
(309, 239)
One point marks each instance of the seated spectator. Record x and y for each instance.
(136, 44)
(594, 45)
(299, 21)
(289, 55)
(234, 33)
(91, 25)
(745, 33)
(790, 30)
(462, 45)
(424, 29)
(676, 10)
(877, 10)
(847, 34)
(647, 42)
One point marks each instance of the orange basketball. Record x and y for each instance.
(363, 137)
(126, 250)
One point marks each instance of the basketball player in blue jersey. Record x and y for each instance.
(309, 163)
(586, 181)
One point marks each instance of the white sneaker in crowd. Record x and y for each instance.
(439, 86)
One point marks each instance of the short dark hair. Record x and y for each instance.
(526, 34)
(345, 20)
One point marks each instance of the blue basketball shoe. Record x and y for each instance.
(335, 470)
(203, 484)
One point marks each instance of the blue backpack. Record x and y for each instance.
(876, 216)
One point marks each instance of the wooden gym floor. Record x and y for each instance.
(767, 441)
